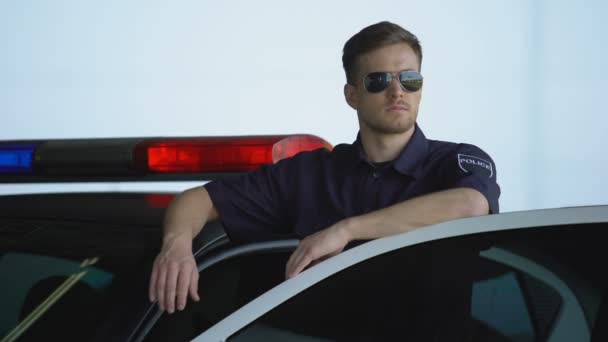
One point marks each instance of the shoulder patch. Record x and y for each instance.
(471, 164)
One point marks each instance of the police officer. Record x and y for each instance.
(392, 179)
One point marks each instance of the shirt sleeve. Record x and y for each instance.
(251, 206)
(470, 167)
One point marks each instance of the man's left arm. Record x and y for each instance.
(469, 177)
(399, 218)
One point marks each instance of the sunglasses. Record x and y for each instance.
(375, 82)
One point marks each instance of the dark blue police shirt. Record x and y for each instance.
(313, 190)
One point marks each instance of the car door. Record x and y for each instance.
(529, 276)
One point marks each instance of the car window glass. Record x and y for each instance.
(525, 285)
(368, 301)
(45, 295)
(74, 279)
(498, 304)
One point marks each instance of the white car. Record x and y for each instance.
(76, 267)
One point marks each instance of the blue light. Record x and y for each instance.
(16, 158)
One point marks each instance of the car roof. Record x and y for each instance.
(142, 209)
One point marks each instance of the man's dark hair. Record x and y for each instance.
(373, 37)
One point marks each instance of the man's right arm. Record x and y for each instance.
(174, 274)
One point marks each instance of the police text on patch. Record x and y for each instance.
(467, 163)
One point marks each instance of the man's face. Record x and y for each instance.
(394, 110)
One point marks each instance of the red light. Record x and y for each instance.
(159, 201)
(292, 145)
(222, 154)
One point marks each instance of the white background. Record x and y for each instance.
(525, 80)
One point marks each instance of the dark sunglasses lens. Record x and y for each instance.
(376, 82)
(410, 80)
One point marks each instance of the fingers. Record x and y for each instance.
(153, 282)
(314, 262)
(338, 251)
(171, 287)
(301, 264)
(298, 260)
(314, 248)
(291, 261)
(160, 287)
(194, 285)
(183, 283)
(171, 282)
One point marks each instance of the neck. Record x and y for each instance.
(384, 147)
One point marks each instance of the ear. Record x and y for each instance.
(351, 96)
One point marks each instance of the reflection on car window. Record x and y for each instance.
(48, 294)
(525, 285)
(499, 304)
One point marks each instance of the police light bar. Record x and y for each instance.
(16, 158)
(171, 158)
(225, 154)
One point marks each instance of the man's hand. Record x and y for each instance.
(317, 247)
(174, 274)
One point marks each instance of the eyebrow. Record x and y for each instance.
(390, 71)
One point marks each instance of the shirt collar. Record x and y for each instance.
(409, 159)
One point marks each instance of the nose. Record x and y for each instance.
(394, 88)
